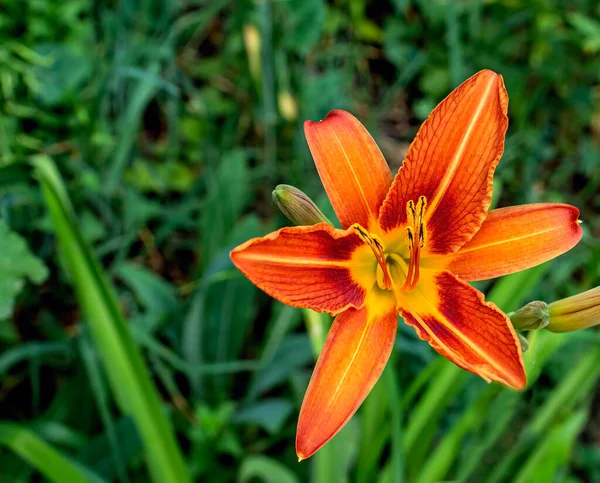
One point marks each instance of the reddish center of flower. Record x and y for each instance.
(415, 240)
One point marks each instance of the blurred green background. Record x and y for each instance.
(140, 141)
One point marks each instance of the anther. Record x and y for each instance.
(416, 228)
(384, 280)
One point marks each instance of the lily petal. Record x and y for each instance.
(515, 238)
(451, 163)
(356, 350)
(456, 321)
(354, 173)
(304, 266)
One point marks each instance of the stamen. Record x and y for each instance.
(415, 227)
(379, 252)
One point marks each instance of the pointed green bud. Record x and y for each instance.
(524, 342)
(297, 206)
(535, 315)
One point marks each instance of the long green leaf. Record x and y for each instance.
(43, 456)
(122, 360)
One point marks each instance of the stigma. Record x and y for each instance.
(415, 241)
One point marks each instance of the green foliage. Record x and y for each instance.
(16, 264)
(131, 349)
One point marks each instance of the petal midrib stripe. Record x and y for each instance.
(357, 181)
(458, 154)
(453, 329)
(299, 261)
(510, 240)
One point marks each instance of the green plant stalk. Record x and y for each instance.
(121, 357)
(43, 456)
(395, 404)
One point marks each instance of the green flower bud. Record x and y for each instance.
(535, 315)
(297, 206)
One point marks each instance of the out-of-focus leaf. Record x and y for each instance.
(334, 460)
(102, 398)
(588, 28)
(152, 292)
(66, 71)
(304, 23)
(266, 470)
(553, 451)
(293, 352)
(31, 350)
(228, 192)
(16, 264)
(97, 452)
(50, 462)
(270, 414)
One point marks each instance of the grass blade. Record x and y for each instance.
(121, 357)
(50, 462)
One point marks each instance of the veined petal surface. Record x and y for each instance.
(354, 173)
(355, 353)
(304, 266)
(451, 162)
(516, 238)
(456, 321)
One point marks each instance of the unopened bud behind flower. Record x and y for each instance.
(297, 206)
(574, 313)
(535, 315)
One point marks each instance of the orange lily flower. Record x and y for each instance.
(408, 247)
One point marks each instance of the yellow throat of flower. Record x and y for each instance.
(392, 268)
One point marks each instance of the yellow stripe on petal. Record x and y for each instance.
(354, 173)
(355, 353)
(513, 239)
(451, 163)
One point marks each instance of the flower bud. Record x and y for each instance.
(535, 315)
(297, 206)
(574, 313)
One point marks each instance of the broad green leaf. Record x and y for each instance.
(153, 293)
(16, 264)
(270, 414)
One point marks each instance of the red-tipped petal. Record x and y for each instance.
(516, 238)
(451, 163)
(305, 266)
(355, 353)
(354, 173)
(456, 321)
